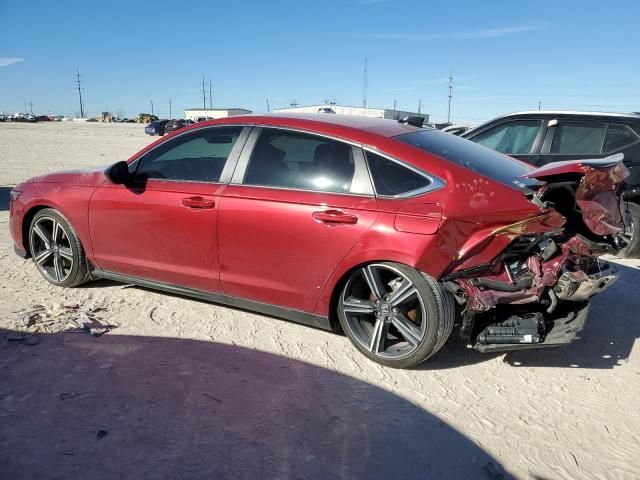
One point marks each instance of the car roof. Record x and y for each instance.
(321, 122)
(574, 112)
(554, 113)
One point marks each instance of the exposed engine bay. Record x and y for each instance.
(535, 293)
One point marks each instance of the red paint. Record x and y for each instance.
(284, 247)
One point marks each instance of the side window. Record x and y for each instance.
(391, 178)
(283, 158)
(618, 136)
(578, 138)
(197, 156)
(515, 137)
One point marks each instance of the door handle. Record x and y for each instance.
(198, 202)
(334, 216)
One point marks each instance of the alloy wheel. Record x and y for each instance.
(384, 311)
(51, 249)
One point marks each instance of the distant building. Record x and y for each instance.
(387, 113)
(196, 113)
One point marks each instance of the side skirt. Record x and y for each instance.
(297, 316)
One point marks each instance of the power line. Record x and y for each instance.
(204, 95)
(210, 96)
(364, 86)
(450, 96)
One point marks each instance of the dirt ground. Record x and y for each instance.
(186, 389)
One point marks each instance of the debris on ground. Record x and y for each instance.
(62, 317)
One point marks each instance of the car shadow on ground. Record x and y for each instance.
(122, 406)
(4, 197)
(607, 340)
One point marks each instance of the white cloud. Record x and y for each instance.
(462, 35)
(4, 61)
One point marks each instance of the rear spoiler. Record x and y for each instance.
(573, 166)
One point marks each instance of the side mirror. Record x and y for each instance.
(118, 173)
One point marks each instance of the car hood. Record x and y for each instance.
(83, 177)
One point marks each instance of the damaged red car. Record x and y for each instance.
(394, 233)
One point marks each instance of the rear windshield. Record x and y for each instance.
(470, 155)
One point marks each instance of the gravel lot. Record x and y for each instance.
(186, 389)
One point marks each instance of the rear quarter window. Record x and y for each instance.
(392, 178)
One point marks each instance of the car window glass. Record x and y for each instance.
(392, 178)
(578, 138)
(618, 136)
(283, 158)
(197, 156)
(470, 155)
(515, 137)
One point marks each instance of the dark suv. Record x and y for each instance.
(543, 137)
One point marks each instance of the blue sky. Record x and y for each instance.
(504, 55)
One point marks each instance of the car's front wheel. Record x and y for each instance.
(394, 314)
(56, 249)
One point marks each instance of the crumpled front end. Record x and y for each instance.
(535, 291)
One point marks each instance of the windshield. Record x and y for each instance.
(470, 155)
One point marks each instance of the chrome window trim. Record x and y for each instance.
(435, 184)
(361, 184)
(232, 159)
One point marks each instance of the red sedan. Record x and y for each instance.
(393, 232)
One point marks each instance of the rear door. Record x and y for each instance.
(297, 204)
(569, 139)
(163, 226)
(521, 138)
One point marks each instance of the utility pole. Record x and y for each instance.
(364, 85)
(151, 107)
(31, 107)
(539, 105)
(204, 95)
(78, 81)
(395, 104)
(210, 95)
(170, 117)
(419, 105)
(450, 96)
(268, 106)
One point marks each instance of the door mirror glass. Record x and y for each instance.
(118, 173)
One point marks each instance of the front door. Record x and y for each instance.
(297, 204)
(163, 226)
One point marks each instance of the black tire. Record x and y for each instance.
(78, 271)
(438, 314)
(633, 249)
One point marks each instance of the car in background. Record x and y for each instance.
(326, 110)
(542, 137)
(203, 119)
(173, 125)
(156, 127)
(456, 129)
(391, 232)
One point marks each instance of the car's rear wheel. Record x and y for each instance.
(394, 314)
(632, 250)
(56, 249)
